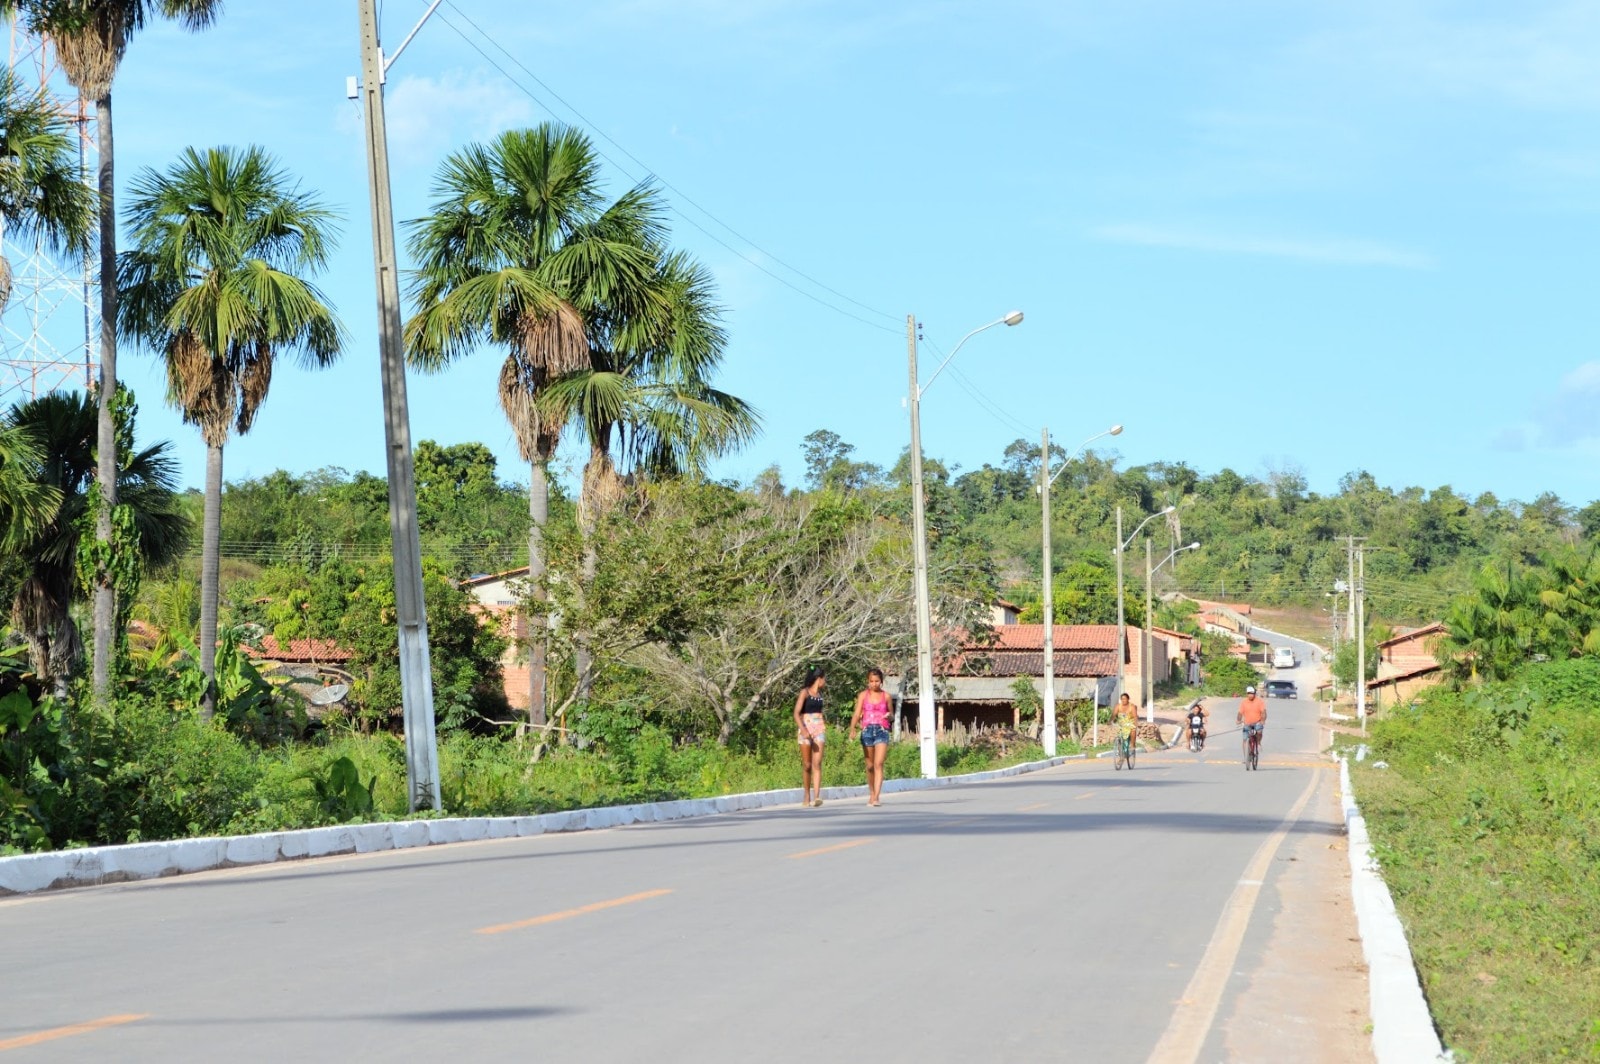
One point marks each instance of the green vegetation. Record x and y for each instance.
(1487, 824)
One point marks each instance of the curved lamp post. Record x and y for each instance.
(1122, 623)
(1148, 646)
(1046, 478)
(926, 721)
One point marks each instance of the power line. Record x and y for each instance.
(668, 185)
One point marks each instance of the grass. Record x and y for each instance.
(1487, 826)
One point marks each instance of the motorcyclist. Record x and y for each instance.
(1199, 716)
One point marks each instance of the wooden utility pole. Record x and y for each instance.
(416, 672)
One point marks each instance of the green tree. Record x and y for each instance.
(62, 432)
(90, 38)
(217, 285)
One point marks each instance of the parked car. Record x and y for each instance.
(1282, 689)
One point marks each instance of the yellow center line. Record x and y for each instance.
(834, 848)
(1087, 794)
(86, 1027)
(1035, 805)
(567, 914)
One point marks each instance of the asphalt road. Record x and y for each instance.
(1080, 913)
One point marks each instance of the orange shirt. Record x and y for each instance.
(1253, 710)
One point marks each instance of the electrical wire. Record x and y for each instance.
(752, 261)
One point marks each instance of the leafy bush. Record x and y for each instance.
(1228, 676)
(1487, 824)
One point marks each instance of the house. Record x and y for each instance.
(1183, 652)
(974, 683)
(1406, 665)
(1003, 612)
(303, 663)
(1230, 619)
(496, 595)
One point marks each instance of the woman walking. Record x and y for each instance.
(811, 730)
(872, 717)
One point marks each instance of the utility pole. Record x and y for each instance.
(416, 672)
(1350, 602)
(926, 721)
(1145, 673)
(1361, 635)
(1122, 624)
(1049, 604)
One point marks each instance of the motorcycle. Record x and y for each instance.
(1197, 730)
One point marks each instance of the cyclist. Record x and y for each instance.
(1253, 718)
(1126, 715)
(1199, 716)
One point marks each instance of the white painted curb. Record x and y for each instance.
(149, 860)
(1402, 1028)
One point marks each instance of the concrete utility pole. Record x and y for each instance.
(1049, 603)
(1361, 636)
(416, 672)
(1145, 673)
(1122, 624)
(926, 723)
(1350, 603)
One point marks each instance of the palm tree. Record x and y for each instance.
(62, 433)
(41, 195)
(26, 505)
(215, 283)
(520, 250)
(90, 38)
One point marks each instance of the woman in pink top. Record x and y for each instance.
(872, 717)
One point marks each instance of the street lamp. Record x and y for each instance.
(1045, 480)
(1147, 649)
(1122, 624)
(926, 733)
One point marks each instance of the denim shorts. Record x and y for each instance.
(1249, 729)
(874, 735)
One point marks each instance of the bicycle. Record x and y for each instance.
(1126, 747)
(1252, 751)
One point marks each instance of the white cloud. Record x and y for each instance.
(1567, 418)
(1334, 250)
(427, 117)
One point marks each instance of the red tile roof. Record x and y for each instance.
(1066, 636)
(299, 650)
(1415, 633)
(1031, 663)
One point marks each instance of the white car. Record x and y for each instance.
(1283, 657)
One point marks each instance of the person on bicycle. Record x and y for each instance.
(1126, 716)
(1252, 716)
(1199, 716)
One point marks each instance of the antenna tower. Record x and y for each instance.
(50, 328)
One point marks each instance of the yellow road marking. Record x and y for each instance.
(833, 849)
(1035, 805)
(1194, 1012)
(67, 1032)
(566, 914)
(1081, 797)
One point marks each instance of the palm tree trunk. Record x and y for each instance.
(105, 603)
(210, 565)
(538, 641)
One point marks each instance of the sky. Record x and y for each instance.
(1332, 235)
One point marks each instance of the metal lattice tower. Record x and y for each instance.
(50, 330)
